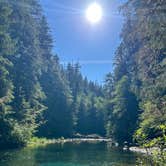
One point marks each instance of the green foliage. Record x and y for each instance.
(58, 116)
(21, 94)
(40, 97)
(123, 112)
(141, 57)
(152, 122)
(37, 95)
(6, 85)
(87, 106)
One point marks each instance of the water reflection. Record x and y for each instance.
(69, 154)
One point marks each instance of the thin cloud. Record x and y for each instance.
(83, 62)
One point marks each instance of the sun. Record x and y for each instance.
(94, 13)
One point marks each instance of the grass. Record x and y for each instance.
(35, 141)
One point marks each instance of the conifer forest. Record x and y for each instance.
(40, 98)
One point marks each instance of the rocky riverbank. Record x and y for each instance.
(143, 150)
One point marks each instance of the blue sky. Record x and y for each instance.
(75, 39)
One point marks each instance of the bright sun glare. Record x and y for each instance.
(94, 13)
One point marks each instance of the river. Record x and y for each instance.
(69, 154)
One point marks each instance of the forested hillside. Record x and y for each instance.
(40, 97)
(137, 87)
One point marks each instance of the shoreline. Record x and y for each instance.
(43, 141)
(148, 151)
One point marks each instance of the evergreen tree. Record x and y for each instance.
(141, 57)
(21, 71)
(123, 114)
(6, 85)
(58, 116)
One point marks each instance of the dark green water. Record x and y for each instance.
(69, 154)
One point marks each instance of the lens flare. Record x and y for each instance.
(94, 13)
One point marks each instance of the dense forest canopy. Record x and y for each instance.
(40, 97)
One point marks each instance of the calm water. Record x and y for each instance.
(69, 154)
